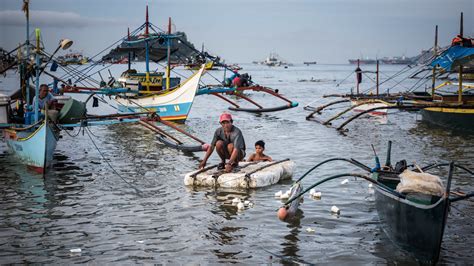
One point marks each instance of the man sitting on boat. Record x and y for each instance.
(45, 97)
(229, 143)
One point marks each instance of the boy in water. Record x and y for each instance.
(259, 155)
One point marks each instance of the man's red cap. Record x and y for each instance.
(225, 117)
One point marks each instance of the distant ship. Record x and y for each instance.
(363, 61)
(310, 63)
(73, 58)
(396, 60)
(273, 60)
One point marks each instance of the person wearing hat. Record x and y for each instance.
(229, 143)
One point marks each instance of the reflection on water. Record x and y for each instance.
(82, 203)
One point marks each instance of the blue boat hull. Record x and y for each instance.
(35, 147)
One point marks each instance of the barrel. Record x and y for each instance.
(72, 111)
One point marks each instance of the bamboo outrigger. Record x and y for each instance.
(452, 110)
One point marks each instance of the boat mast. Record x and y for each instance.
(460, 65)
(26, 8)
(168, 55)
(129, 53)
(357, 75)
(147, 61)
(38, 35)
(435, 51)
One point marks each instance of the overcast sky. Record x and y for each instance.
(327, 31)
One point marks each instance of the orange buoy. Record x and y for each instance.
(282, 213)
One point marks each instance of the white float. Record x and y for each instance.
(246, 175)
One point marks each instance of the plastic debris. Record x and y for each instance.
(278, 194)
(335, 210)
(314, 195)
(285, 196)
(345, 181)
(251, 204)
(370, 185)
(236, 201)
(240, 206)
(75, 250)
(246, 202)
(310, 230)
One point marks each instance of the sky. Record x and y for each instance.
(326, 31)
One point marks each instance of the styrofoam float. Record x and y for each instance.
(246, 175)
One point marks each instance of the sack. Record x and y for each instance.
(411, 182)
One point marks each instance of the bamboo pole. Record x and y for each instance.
(377, 79)
(357, 81)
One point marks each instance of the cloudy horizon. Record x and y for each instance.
(327, 31)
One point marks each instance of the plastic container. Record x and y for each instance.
(4, 102)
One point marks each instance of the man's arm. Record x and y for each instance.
(208, 153)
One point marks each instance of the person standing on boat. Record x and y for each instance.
(45, 97)
(229, 143)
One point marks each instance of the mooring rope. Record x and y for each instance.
(139, 192)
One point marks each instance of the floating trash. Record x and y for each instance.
(285, 196)
(317, 195)
(236, 201)
(75, 250)
(246, 203)
(345, 181)
(370, 185)
(251, 204)
(240, 206)
(278, 194)
(314, 195)
(310, 230)
(335, 210)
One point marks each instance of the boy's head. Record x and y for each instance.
(259, 146)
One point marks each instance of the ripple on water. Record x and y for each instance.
(153, 218)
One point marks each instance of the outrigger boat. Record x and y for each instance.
(412, 205)
(450, 104)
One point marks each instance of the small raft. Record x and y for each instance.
(246, 175)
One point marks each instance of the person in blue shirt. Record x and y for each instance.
(45, 97)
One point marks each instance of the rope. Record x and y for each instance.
(139, 192)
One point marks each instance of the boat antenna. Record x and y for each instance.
(461, 25)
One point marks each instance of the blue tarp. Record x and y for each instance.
(450, 56)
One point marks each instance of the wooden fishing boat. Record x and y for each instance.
(417, 226)
(149, 92)
(174, 104)
(34, 145)
(412, 205)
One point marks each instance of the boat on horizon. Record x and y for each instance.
(273, 60)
